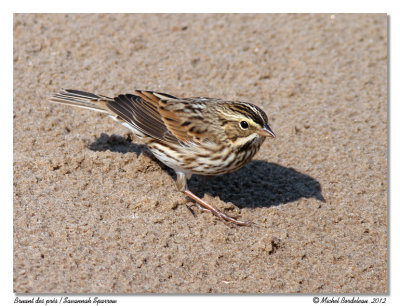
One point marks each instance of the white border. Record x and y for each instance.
(304, 6)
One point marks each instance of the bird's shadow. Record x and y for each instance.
(257, 184)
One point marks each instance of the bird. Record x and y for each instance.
(198, 135)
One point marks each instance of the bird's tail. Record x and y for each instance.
(82, 99)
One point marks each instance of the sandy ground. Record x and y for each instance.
(94, 212)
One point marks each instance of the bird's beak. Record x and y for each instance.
(266, 131)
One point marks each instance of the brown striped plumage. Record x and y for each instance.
(204, 136)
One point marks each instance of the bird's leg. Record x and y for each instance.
(215, 211)
(181, 184)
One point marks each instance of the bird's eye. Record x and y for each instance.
(244, 125)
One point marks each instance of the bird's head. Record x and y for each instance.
(245, 123)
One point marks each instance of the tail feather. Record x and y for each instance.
(81, 99)
(138, 112)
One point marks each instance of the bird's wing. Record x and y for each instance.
(185, 118)
(154, 114)
(140, 111)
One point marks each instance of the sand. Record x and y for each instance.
(94, 212)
